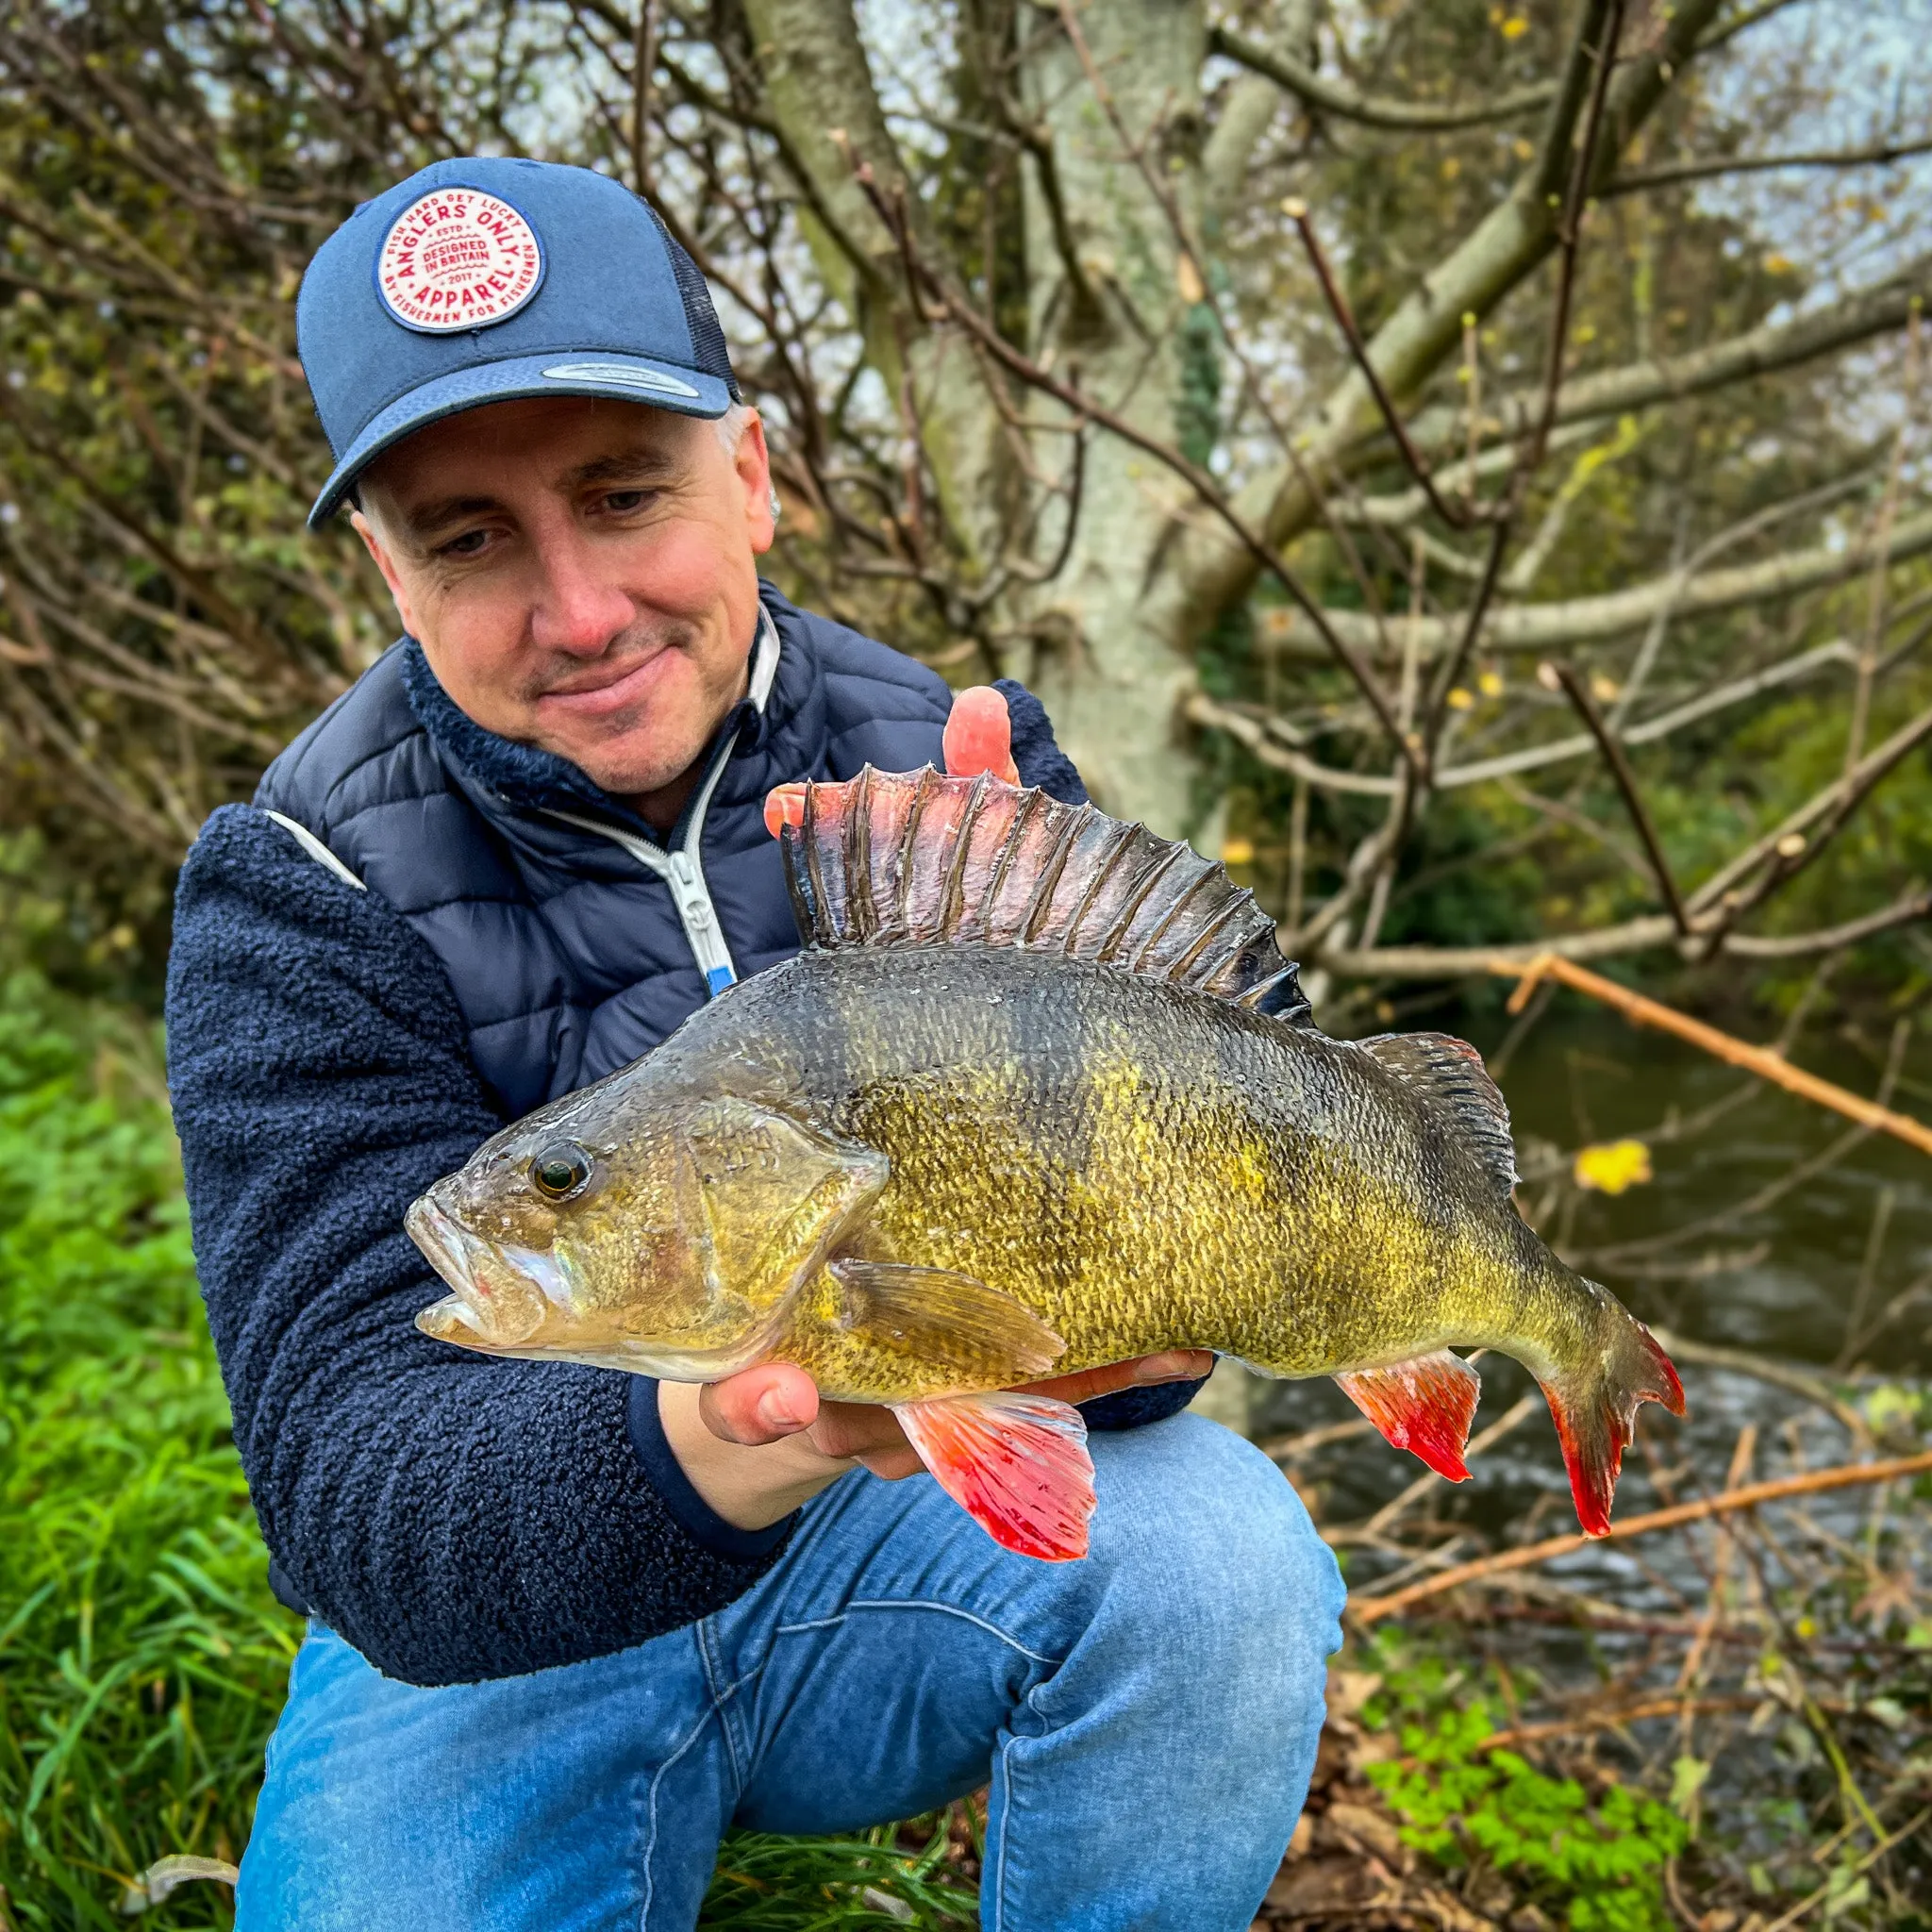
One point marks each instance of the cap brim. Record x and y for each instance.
(589, 373)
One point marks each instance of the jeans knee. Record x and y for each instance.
(1207, 1546)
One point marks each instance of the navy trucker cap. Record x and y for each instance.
(476, 280)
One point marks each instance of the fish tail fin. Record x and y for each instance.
(1016, 1463)
(1594, 1405)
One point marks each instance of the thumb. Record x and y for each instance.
(979, 736)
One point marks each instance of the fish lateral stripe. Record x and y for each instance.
(926, 859)
(1424, 1406)
(1016, 1463)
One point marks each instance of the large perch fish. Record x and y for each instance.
(1016, 1109)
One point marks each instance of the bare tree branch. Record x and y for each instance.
(1338, 97)
(1672, 173)
(1545, 627)
(1761, 351)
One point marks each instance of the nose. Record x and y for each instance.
(578, 608)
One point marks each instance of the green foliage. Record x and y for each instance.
(765, 1883)
(143, 1659)
(1596, 1858)
(141, 1656)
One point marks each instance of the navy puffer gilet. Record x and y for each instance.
(566, 953)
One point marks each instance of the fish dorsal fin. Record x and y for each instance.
(1451, 1075)
(917, 858)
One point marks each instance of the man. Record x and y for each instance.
(568, 1625)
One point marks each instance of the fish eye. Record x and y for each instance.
(559, 1170)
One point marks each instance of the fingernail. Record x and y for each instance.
(776, 1413)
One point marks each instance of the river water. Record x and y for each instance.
(1732, 1243)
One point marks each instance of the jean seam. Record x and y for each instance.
(1004, 1840)
(832, 1622)
(651, 1817)
(706, 1633)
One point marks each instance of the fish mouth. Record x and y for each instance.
(498, 1295)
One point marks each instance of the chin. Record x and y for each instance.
(645, 757)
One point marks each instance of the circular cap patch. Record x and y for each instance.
(457, 259)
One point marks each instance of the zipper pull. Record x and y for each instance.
(700, 922)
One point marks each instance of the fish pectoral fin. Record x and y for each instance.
(1016, 1464)
(1424, 1406)
(945, 1319)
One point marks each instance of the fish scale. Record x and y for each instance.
(1021, 1104)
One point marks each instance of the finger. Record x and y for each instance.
(1174, 1365)
(784, 806)
(760, 1404)
(979, 736)
(858, 1429)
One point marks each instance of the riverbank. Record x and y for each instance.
(1719, 1726)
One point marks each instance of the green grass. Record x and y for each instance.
(142, 1657)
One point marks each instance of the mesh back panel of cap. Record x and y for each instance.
(700, 313)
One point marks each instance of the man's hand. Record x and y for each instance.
(979, 738)
(759, 1443)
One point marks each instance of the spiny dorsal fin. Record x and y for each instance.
(1450, 1073)
(917, 858)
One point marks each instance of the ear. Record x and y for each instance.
(386, 565)
(752, 460)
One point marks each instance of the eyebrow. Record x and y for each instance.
(640, 465)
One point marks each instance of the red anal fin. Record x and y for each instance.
(1016, 1464)
(1424, 1406)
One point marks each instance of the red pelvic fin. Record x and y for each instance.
(1016, 1464)
(1596, 1416)
(1424, 1406)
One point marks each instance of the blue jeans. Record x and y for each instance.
(1147, 1719)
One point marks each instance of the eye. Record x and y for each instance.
(471, 543)
(559, 1170)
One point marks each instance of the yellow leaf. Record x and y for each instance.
(1515, 27)
(1522, 149)
(1461, 700)
(1188, 279)
(1612, 1166)
(1603, 688)
(1490, 683)
(1777, 264)
(1237, 852)
(1451, 168)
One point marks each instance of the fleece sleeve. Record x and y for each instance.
(1042, 763)
(455, 1518)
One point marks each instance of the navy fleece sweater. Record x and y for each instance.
(455, 1518)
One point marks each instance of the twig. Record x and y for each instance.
(1371, 111)
(1370, 1609)
(1457, 516)
(1669, 174)
(1814, 1389)
(1585, 705)
(1878, 1851)
(1598, 1720)
(1642, 1011)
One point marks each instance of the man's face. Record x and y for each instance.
(581, 575)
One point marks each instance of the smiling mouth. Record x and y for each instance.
(612, 693)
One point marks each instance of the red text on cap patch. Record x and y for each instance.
(458, 259)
